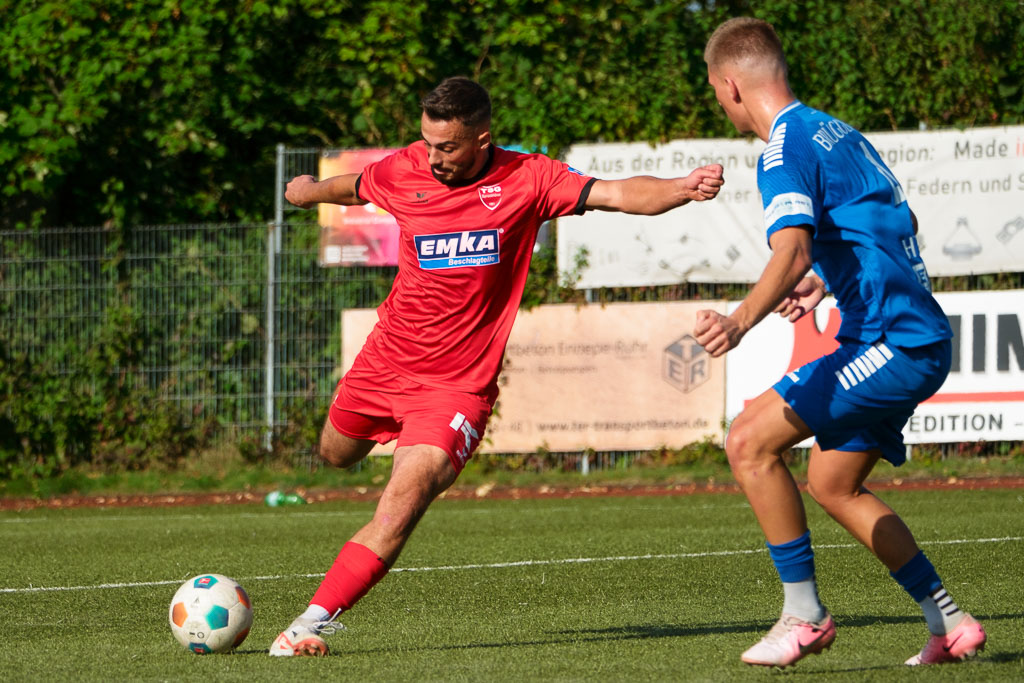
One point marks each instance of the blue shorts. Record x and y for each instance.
(859, 397)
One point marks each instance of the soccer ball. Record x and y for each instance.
(210, 613)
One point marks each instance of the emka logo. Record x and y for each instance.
(471, 248)
(490, 195)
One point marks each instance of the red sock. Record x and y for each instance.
(355, 571)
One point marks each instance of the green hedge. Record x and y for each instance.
(168, 112)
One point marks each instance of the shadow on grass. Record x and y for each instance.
(646, 631)
(1006, 657)
(842, 621)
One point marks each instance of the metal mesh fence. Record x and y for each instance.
(200, 289)
(53, 291)
(193, 298)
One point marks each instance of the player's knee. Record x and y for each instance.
(828, 496)
(817, 493)
(747, 451)
(328, 452)
(331, 457)
(340, 455)
(740, 445)
(339, 450)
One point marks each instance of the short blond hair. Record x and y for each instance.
(745, 38)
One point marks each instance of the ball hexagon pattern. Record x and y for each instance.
(210, 613)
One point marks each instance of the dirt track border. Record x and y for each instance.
(472, 493)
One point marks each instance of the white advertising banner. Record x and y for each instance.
(966, 187)
(982, 399)
(623, 376)
(718, 241)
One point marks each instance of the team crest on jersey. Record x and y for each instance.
(490, 195)
(470, 248)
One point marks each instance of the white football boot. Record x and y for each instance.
(790, 640)
(303, 638)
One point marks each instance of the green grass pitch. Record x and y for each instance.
(588, 589)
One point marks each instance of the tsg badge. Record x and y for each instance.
(490, 195)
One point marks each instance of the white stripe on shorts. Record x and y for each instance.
(864, 365)
(457, 421)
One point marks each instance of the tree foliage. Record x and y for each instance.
(163, 111)
(168, 111)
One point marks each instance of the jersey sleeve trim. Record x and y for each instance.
(581, 205)
(359, 182)
(788, 204)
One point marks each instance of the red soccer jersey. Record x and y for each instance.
(463, 258)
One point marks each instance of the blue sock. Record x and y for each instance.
(794, 559)
(918, 577)
(795, 563)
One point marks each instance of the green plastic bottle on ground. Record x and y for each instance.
(279, 498)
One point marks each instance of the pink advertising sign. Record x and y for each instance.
(355, 235)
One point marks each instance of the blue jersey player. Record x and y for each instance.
(837, 221)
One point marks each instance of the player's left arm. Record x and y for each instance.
(790, 261)
(650, 196)
(806, 295)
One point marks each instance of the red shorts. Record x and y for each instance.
(374, 402)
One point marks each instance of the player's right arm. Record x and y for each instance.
(304, 191)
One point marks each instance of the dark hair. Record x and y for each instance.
(458, 99)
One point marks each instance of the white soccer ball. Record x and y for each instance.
(210, 613)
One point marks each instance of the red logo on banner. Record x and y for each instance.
(490, 195)
(810, 343)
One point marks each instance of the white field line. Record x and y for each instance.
(269, 515)
(500, 565)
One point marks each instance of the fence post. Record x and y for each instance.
(273, 248)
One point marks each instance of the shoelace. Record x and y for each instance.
(329, 626)
(780, 629)
(783, 627)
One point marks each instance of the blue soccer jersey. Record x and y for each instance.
(820, 172)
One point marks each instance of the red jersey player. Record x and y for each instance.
(427, 376)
